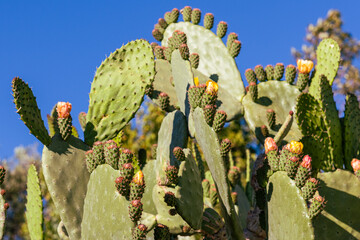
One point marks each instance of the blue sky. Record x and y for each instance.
(56, 46)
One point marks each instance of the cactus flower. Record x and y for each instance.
(306, 162)
(319, 199)
(63, 109)
(305, 66)
(139, 178)
(270, 145)
(196, 81)
(211, 87)
(296, 147)
(355, 163)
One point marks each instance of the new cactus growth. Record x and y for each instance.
(209, 20)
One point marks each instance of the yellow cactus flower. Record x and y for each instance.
(296, 147)
(196, 81)
(63, 109)
(211, 87)
(139, 178)
(305, 66)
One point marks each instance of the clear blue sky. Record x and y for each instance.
(56, 46)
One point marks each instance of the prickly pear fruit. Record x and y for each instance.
(209, 20)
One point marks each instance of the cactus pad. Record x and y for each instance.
(209, 143)
(339, 220)
(67, 177)
(105, 210)
(351, 130)
(163, 82)
(172, 133)
(211, 49)
(270, 96)
(118, 90)
(183, 78)
(328, 58)
(189, 192)
(287, 210)
(34, 207)
(28, 110)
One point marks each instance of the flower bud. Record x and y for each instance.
(139, 178)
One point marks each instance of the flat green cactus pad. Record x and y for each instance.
(328, 58)
(174, 223)
(351, 130)
(34, 207)
(163, 82)
(183, 78)
(215, 60)
(105, 210)
(172, 133)
(2, 216)
(188, 192)
(243, 205)
(67, 177)
(150, 181)
(209, 143)
(287, 211)
(340, 218)
(279, 96)
(319, 122)
(28, 110)
(118, 90)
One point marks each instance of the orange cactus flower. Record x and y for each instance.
(270, 145)
(355, 163)
(305, 66)
(306, 162)
(63, 109)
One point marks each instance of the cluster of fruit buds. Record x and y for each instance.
(2, 174)
(159, 28)
(106, 152)
(179, 154)
(288, 159)
(64, 120)
(234, 175)
(355, 164)
(317, 204)
(205, 96)
(304, 67)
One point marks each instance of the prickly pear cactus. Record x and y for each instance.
(67, 177)
(339, 220)
(172, 133)
(27, 107)
(211, 48)
(34, 208)
(271, 96)
(318, 120)
(163, 82)
(106, 213)
(285, 201)
(118, 90)
(328, 59)
(209, 143)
